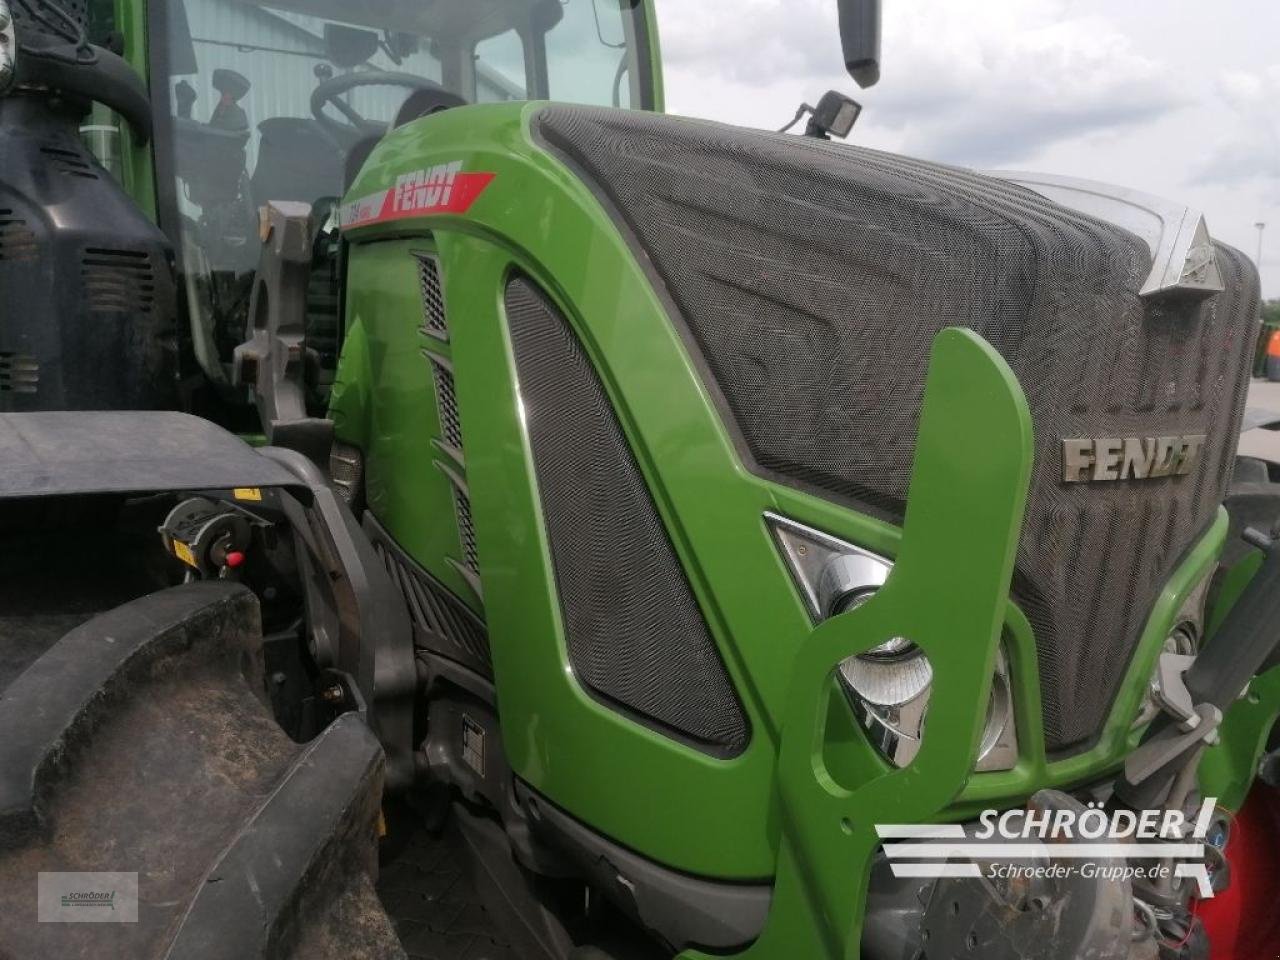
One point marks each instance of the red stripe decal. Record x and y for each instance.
(440, 189)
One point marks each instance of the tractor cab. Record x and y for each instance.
(283, 100)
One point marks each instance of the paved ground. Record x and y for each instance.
(1264, 395)
(433, 904)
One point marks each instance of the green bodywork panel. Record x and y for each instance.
(407, 482)
(1227, 769)
(137, 161)
(734, 818)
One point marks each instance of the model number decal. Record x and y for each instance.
(444, 188)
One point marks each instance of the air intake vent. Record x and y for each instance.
(17, 242)
(435, 326)
(635, 635)
(69, 163)
(450, 628)
(118, 281)
(450, 422)
(433, 319)
(18, 373)
(466, 528)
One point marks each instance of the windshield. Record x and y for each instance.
(284, 99)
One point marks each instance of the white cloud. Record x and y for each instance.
(978, 83)
(1250, 154)
(1161, 97)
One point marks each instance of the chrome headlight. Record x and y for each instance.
(888, 687)
(1183, 641)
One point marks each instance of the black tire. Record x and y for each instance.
(139, 742)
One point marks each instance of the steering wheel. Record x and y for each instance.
(357, 127)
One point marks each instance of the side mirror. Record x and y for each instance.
(860, 37)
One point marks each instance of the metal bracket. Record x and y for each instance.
(1171, 689)
(374, 644)
(273, 361)
(1154, 755)
(1196, 723)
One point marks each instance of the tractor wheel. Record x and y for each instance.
(140, 744)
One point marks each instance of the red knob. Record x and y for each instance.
(235, 558)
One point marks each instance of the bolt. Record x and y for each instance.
(333, 694)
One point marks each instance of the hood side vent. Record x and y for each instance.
(17, 242)
(118, 281)
(69, 163)
(18, 373)
(435, 329)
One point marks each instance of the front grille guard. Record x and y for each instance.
(948, 593)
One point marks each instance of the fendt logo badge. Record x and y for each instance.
(443, 188)
(1129, 458)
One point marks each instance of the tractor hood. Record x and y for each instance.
(810, 279)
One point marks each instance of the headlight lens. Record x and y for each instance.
(888, 686)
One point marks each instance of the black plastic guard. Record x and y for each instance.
(65, 453)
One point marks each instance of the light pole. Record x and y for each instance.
(1261, 226)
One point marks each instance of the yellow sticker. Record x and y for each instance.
(247, 493)
(183, 553)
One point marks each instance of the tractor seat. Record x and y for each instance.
(296, 161)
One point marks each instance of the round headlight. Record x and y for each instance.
(888, 682)
(848, 580)
(999, 711)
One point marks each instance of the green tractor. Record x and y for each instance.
(451, 509)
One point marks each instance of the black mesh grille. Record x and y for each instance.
(433, 317)
(466, 529)
(346, 470)
(450, 628)
(450, 422)
(812, 278)
(635, 635)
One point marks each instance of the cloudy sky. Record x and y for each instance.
(1174, 97)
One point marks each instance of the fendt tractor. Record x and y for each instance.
(449, 508)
